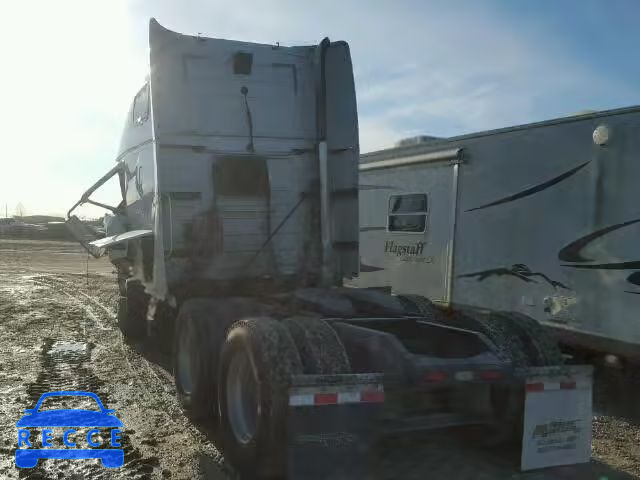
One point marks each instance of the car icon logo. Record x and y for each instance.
(69, 419)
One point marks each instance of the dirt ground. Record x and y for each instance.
(58, 332)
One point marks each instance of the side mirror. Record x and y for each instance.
(29, 410)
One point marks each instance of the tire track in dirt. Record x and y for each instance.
(66, 364)
(147, 380)
(130, 357)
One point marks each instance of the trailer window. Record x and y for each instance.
(413, 203)
(408, 213)
(140, 110)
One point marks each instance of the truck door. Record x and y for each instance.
(415, 245)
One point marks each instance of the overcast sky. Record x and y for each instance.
(71, 68)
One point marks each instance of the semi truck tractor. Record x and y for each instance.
(235, 234)
(540, 219)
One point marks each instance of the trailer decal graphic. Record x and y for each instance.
(632, 265)
(519, 270)
(572, 251)
(634, 278)
(532, 190)
(400, 250)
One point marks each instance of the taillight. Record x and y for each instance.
(489, 375)
(434, 377)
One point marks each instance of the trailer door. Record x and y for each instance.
(416, 205)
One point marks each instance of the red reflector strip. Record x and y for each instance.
(541, 387)
(489, 375)
(325, 399)
(434, 377)
(372, 397)
(535, 387)
(309, 398)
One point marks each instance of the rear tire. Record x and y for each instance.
(528, 344)
(200, 331)
(543, 349)
(190, 361)
(419, 305)
(132, 311)
(319, 347)
(508, 345)
(257, 361)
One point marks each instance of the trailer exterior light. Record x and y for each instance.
(601, 135)
(490, 375)
(434, 377)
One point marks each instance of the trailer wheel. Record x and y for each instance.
(319, 346)
(506, 401)
(256, 364)
(419, 305)
(527, 344)
(508, 344)
(543, 349)
(132, 311)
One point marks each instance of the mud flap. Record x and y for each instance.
(557, 416)
(331, 425)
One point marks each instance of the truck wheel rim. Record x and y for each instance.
(185, 379)
(242, 399)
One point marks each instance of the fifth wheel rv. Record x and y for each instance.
(542, 219)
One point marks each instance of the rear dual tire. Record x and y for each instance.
(542, 349)
(257, 362)
(190, 362)
(527, 344)
(321, 350)
(240, 380)
(200, 331)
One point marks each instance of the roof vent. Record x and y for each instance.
(417, 140)
(582, 112)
